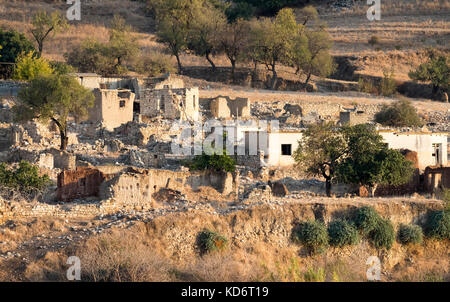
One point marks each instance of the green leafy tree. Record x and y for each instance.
(122, 44)
(92, 56)
(25, 177)
(154, 64)
(233, 40)
(311, 54)
(13, 44)
(55, 98)
(368, 161)
(203, 35)
(399, 114)
(28, 67)
(308, 14)
(319, 152)
(436, 70)
(272, 41)
(174, 19)
(45, 24)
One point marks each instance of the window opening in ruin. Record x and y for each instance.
(122, 103)
(82, 182)
(286, 149)
(436, 149)
(161, 103)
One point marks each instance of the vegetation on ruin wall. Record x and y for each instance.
(25, 177)
(214, 162)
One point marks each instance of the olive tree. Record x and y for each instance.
(54, 97)
(44, 24)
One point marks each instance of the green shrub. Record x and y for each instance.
(154, 64)
(342, 233)
(25, 177)
(383, 235)
(438, 225)
(313, 235)
(410, 234)
(209, 241)
(366, 219)
(213, 162)
(399, 114)
(29, 66)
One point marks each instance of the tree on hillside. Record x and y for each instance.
(436, 70)
(28, 67)
(106, 58)
(55, 98)
(308, 14)
(369, 162)
(271, 41)
(44, 24)
(399, 114)
(312, 46)
(203, 35)
(174, 19)
(122, 43)
(234, 40)
(319, 152)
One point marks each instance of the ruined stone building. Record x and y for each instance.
(171, 103)
(225, 107)
(353, 117)
(112, 107)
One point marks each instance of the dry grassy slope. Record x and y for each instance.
(408, 24)
(260, 246)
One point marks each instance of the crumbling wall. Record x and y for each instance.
(436, 178)
(112, 107)
(79, 183)
(180, 103)
(225, 107)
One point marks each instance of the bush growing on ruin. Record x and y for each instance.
(54, 97)
(28, 67)
(383, 235)
(25, 177)
(410, 234)
(366, 219)
(342, 233)
(209, 241)
(399, 114)
(313, 235)
(214, 162)
(438, 225)
(61, 67)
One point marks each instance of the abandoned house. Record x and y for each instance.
(431, 147)
(225, 107)
(171, 103)
(112, 107)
